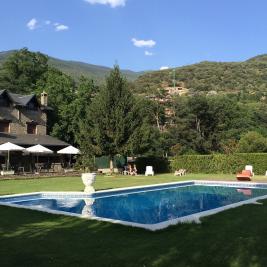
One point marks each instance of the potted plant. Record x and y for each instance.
(88, 174)
(88, 179)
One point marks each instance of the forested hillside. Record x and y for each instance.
(232, 120)
(249, 77)
(75, 69)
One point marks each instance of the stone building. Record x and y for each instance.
(23, 114)
(23, 121)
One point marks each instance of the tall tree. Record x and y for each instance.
(208, 124)
(84, 94)
(146, 140)
(113, 123)
(21, 71)
(61, 94)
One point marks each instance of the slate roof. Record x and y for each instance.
(32, 139)
(22, 100)
(18, 99)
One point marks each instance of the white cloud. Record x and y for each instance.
(60, 27)
(164, 68)
(32, 24)
(147, 53)
(112, 3)
(143, 43)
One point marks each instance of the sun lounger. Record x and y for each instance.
(245, 175)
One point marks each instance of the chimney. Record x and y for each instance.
(44, 99)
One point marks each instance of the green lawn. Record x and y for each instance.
(234, 238)
(103, 182)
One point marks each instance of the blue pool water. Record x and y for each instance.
(150, 207)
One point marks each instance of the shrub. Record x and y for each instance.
(221, 163)
(252, 142)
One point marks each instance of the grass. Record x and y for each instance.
(103, 182)
(234, 238)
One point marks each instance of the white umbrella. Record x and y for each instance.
(69, 150)
(38, 149)
(10, 147)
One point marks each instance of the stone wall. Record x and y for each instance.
(19, 119)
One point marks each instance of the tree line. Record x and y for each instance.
(113, 119)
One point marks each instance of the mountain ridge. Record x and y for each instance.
(77, 68)
(248, 76)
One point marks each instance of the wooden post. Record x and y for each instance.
(111, 167)
(7, 167)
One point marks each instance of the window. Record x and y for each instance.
(4, 126)
(31, 128)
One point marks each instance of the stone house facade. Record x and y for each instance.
(23, 114)
(23, 121)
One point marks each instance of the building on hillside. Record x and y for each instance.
(178, 90)
(23, 121)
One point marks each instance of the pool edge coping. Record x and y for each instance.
(195, 218)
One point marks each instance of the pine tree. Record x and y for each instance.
(113, 121)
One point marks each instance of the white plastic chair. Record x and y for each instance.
(149, 171)
(249, 168)
(180, 172)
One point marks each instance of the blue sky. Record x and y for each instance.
(138, 34)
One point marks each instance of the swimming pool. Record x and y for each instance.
(152, 207)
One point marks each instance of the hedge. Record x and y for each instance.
(221, 163)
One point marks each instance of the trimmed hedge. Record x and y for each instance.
(221, 163)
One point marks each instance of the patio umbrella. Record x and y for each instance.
(10, 147)
(70, 150)
(38, 149)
